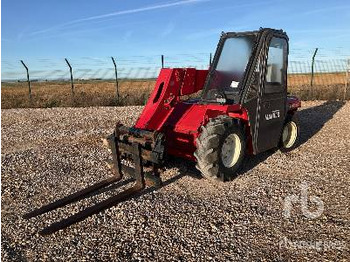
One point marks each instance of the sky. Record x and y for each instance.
(136, 33)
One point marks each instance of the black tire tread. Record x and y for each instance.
(207, 146)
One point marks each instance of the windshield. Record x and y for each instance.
(230, 68)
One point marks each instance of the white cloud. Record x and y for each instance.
(117, 13)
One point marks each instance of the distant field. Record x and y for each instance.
(87, 93)
(327, 86)
(319, 79)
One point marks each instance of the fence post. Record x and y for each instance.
(116, 78)
(312, 66)
(347, 80)
(28, 80)
(71, 75)
(210, 59)
(162, 58)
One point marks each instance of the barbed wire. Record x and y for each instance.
(140, 66)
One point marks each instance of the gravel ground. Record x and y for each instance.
(49, 153)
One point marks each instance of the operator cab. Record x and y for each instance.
(250, 69)
(236, 53)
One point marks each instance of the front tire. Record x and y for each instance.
(220, 148)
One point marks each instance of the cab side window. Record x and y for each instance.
(275, 69)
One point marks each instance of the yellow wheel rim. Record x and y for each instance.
(231, 150)
(289, 135)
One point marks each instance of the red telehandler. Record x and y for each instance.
(242, 108)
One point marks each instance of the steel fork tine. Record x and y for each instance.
(109, 202)
(72, 198)
(112, 201)
(118, 175)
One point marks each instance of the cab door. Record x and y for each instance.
(271, 109)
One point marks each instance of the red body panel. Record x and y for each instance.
(183, 126)
(193, 81)
(180, 121)
(293, 103)
(170, 84)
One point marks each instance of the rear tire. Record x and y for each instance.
(290, 134)
(220, 148)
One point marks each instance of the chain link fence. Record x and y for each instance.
(95, 83)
